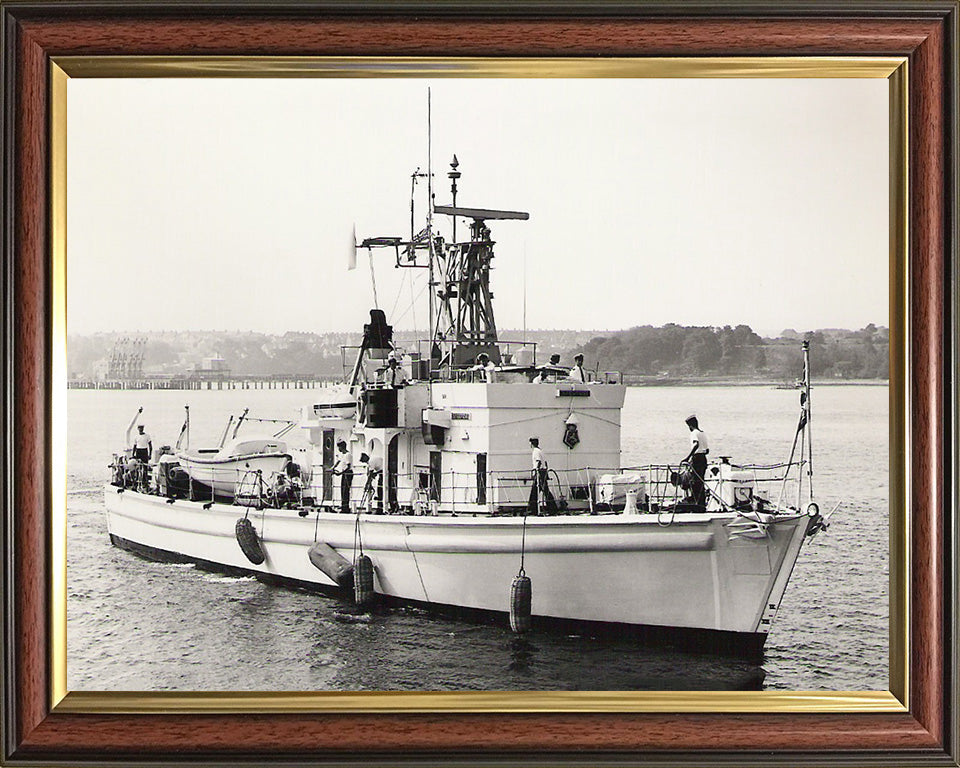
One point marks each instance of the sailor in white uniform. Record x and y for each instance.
(539, 486)
(394, 374)
(141, 443)
(577, 373)
(699, 448)
(344, 468)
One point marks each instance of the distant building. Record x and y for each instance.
(212, 368)
(125, 362)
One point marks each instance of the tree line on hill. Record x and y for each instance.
(252, 353)
(676, 351)
(670, 351)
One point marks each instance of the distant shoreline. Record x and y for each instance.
(709, 382)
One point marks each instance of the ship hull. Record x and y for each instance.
(698, 573)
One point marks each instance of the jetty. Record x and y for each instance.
(232, 381)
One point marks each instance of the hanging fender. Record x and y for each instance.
(249, 541)
(331, 563)
(363, 593)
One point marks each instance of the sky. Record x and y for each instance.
(229, 204)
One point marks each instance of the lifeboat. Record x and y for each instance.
(237, 463)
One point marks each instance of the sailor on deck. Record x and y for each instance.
(141, 443)
(539, 484)
(344, 468)
(699, 448)
(373, 486)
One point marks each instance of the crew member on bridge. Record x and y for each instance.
(548, 372)
(344, 468)
(699, 448)
(577, 373)
(485, 368)
(394, 374)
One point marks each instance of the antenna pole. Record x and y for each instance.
(430, 283)
(524, 292)
(453, 175)
(413, 189)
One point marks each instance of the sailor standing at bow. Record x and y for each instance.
(699, 448)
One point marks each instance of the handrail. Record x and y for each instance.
(457, 490)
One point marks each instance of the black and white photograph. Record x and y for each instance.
(468, 384)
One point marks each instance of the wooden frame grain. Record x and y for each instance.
(925, 32)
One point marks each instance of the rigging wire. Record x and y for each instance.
(413, 308)
(412, 305)
(396, 301)
(373, 279)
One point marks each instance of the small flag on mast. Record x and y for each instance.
(352, 258)
(803, 411)
(183, 441)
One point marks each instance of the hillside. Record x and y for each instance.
(251, 353)
(675, 351)
(670, 351)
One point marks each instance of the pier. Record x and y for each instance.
(233, 381)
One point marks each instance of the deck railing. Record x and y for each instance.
(658, 487)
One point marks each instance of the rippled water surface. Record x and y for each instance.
(139, 625)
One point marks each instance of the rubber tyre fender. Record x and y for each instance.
(249, 541)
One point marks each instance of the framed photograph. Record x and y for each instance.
(296, 470)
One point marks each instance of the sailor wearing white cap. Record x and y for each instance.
(577, 373)
(394, 374)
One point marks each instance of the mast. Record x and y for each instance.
(431, 330)
(461, 323)
(809, 414)
(801, 436)
(453, 175)
(465, 317)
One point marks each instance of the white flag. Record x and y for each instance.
(352, 258)
(183, 441)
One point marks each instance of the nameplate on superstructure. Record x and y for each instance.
(573, 391)
(460, 416)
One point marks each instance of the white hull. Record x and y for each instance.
(626, 569)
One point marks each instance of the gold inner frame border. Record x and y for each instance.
(893, 69)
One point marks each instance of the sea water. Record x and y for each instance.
(133, 624)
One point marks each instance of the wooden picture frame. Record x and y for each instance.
(38, 729)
